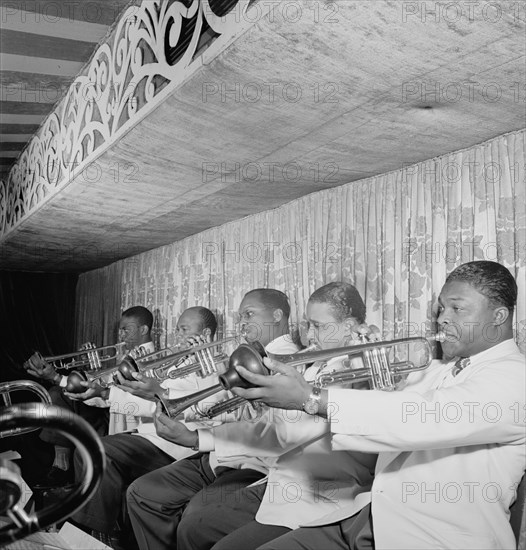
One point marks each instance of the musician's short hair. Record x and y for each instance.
(141, 314)
(272, 298)
(491, 279)
(344, 299)
(208, 319)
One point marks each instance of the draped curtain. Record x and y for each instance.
(37, 313)
(99, 306)
(395, 236)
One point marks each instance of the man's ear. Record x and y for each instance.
(278, 315)
(144, 330)
(206, 332)
(500, 315)
(350, 326)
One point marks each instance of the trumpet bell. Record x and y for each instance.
(128, 367)
(74, 382)
(249, 356)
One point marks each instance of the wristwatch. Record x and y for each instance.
(312, 405)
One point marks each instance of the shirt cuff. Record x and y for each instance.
(63, 381)
(206, 440)
(111, 395)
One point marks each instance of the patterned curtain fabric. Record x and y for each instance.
(395, 236)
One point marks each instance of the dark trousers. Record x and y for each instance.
(354, 533)
(156, 501)
(225, 520)
(128, 457)
(96, 417)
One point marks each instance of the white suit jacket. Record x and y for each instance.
(452, 452)
(306, 478)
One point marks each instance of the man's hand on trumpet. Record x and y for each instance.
(93, 389)
(36, 366)
(288, 391)
(143, 386)
(173, 430)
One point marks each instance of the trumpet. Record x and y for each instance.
(166, 367)
(249, 356)
(379, 369)
(20, 385)
(232, 404)
(105, 377)
(85, 358)
(160, 364)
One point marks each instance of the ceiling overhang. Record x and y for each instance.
(282, 103)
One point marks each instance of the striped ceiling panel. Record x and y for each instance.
(43, 46)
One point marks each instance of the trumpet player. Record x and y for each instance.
(453, 432)
(134, 330)
(61, 472)
(306, 480)
(156, 500)
(130, 455)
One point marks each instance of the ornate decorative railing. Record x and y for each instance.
(150, 50)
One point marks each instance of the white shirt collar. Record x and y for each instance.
(499, 350)
(148, 347)
(282, 345)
